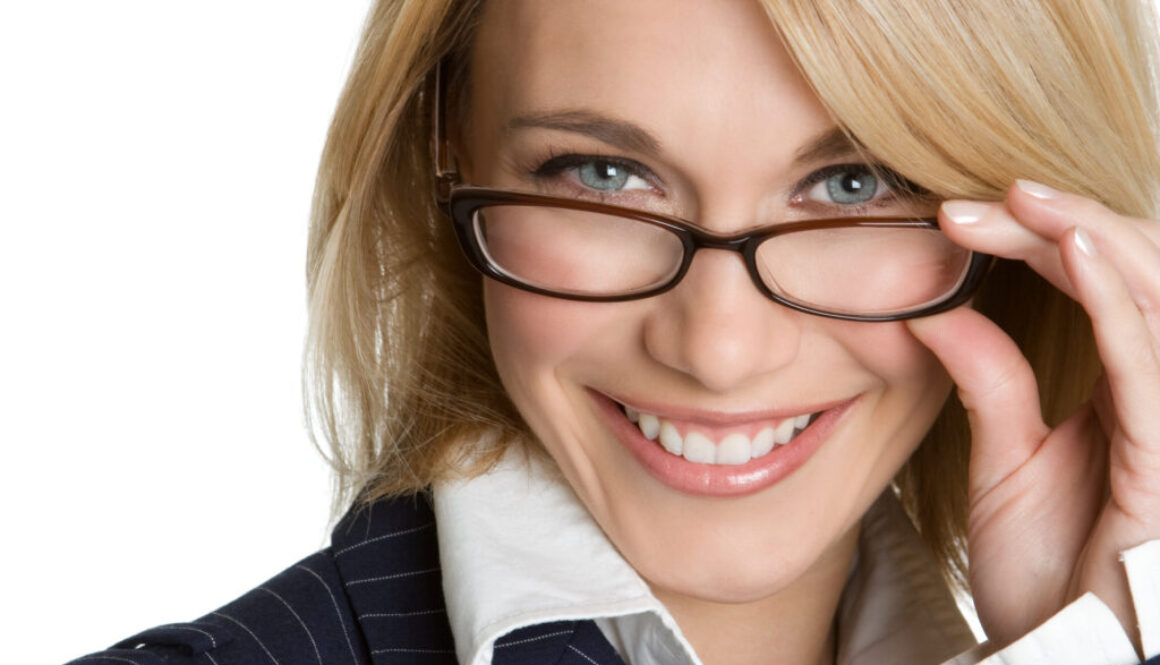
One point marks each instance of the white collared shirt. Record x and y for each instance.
(517, 548)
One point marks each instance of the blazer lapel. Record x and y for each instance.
(387, 555)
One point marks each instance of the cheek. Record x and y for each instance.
(546, 351)
(891, 353)
(537, 342)
(908, 387)
(522, 326)
(915, 388)
(530, 334)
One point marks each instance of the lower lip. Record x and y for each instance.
(721, 480)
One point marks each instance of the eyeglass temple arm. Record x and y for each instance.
(446, 173)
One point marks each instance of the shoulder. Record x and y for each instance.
(301, 615)
(376, 589)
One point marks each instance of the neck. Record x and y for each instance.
(793, 626)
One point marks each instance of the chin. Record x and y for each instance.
(736, 575)
(733, 550)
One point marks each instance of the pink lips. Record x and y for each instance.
(721, 480)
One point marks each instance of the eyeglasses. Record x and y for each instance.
(862, 269)
(857, 269)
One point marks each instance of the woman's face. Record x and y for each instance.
(697, 111)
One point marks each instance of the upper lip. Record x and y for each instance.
(711, 417)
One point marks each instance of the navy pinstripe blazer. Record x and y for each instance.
(374, 597)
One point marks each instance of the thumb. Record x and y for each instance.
(995, 384)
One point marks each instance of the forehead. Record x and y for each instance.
(701, 74)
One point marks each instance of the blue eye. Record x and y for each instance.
(608, 176)
(593, 174)
(852, 187)
(845, 185)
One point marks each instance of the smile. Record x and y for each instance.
(720, 454)
(731, 446)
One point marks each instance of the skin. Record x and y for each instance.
(730, 568)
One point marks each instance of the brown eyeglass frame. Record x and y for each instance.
(461, 202)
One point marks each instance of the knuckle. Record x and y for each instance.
(1090, 208)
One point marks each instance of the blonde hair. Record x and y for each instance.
(961, 98)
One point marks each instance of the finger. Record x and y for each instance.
(1051, 213)
(1032, 221)
(995, 384)
(1126, 346)
(1105, 408)
(992, 229)
(1131, 245)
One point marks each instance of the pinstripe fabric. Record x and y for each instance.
(388, 558)
(373, 598)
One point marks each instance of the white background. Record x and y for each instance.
(156, 166)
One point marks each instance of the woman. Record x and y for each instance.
(638, 446)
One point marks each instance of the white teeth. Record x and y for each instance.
(734, 449)
(650, 425)
(698, 448)
(763, 442)
(671, 439)
(784, 431)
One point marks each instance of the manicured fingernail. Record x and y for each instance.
(1039, 191)
(964, 212)
(1084, 242)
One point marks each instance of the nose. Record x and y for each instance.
(716, 327)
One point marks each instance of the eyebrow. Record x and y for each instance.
(612, 131)
(830, 144)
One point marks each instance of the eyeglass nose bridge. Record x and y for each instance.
(745, 244)
(700, 240)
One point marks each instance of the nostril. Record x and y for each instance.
(717, 328)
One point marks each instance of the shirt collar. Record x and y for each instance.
(896, 608)
(517, 548)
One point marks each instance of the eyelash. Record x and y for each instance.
(897, 188)
(557, 162)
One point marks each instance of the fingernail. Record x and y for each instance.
(1085, 244)
(1039, 191)
(964, 212)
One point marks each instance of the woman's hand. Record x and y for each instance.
(1051, 509)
